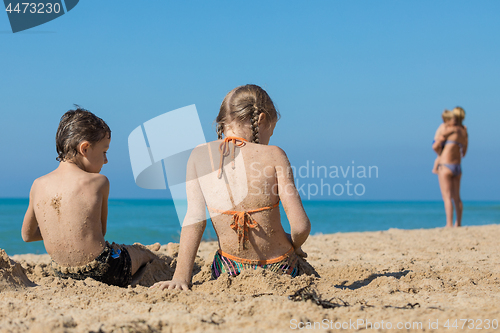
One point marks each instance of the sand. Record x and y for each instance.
(412, 278)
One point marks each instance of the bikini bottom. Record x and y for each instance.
(456, 169)
(113, 266)
(226, 263)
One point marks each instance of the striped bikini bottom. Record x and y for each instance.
(226, 263)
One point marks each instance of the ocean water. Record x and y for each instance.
(150, 221)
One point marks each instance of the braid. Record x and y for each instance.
(255, 126)
(219, 131)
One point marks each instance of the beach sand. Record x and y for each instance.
(400, 277)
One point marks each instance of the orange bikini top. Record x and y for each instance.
(224, 150)
(242, 220)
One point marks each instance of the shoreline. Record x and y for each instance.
(396, 276)
(20, 255)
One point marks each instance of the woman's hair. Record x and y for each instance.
(77, 126)
(243, 104)
(459, 113)
(447, 115)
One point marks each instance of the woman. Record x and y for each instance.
(451, 151)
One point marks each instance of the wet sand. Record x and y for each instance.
(413, 278)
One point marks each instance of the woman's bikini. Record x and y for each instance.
(242, 221)
(456, 169)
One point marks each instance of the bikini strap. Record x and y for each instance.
(224, 150)
(242, 221)
(457, 143)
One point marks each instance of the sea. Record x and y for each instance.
(151, 221)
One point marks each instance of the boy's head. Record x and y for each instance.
(75, 127)
(447, 116)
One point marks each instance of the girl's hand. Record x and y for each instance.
(300, 253)
(174, 284)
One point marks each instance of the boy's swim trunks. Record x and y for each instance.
(226, 263)
(113, 266)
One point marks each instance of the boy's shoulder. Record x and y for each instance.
(43, 180)
(95, 179)
(79, 178)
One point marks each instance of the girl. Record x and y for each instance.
(242, 193)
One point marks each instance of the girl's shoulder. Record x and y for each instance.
(278, 155)
(275, 150)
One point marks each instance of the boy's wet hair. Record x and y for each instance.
(77, 126)
(246, 103)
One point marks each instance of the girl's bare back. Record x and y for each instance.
(252, 184)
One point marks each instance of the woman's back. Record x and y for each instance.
(455, 146)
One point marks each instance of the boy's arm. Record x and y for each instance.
(104, 206)
(30, 230)
(439, 138)
(448, 130)
(300, 226)
(192, 231)
(439, 132)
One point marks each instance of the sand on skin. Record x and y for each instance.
(450, 273)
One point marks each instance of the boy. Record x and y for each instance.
(68, 207)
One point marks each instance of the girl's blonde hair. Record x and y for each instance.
(459, 113)
(243, 104)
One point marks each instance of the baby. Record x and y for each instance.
(68, 207)
(443, 132)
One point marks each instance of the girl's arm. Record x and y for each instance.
(300, 226)
(30, 230)
(192, 230)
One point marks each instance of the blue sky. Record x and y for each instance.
(360, 81)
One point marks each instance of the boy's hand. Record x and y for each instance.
(174, 284)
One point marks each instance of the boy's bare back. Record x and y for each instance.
(70, 207)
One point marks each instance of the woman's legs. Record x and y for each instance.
(445, 177)
(455, 194)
